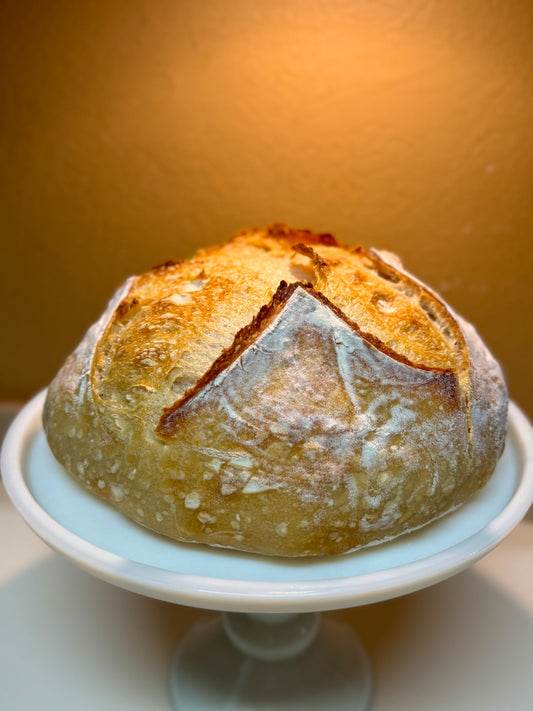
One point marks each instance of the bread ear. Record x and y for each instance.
(281, 316)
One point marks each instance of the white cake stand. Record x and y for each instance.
(269, 650)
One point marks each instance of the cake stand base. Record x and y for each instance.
(270, 661)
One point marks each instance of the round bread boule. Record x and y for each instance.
(281, 394)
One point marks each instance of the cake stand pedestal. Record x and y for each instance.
(251, 661)
(269, 650)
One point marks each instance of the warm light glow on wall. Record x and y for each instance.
(137, 132)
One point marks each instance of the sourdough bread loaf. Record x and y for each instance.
(281, 394)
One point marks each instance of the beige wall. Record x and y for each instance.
(135, 131)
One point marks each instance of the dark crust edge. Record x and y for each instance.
(290, 235)
(251, 332)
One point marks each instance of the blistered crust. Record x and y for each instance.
(281, 394)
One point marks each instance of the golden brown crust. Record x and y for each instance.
(279, 393)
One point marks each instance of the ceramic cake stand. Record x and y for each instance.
(269, 650)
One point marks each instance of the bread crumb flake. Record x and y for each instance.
(117, 492)
(192, 500)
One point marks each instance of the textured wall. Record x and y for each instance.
(135, 131)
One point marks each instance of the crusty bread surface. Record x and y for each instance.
(281, 394)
